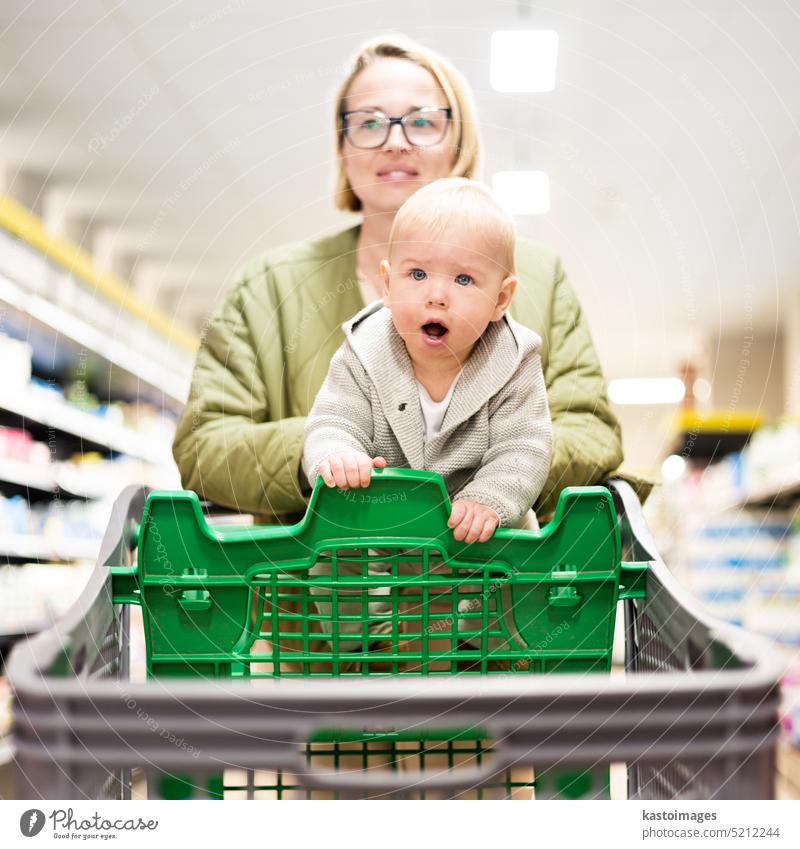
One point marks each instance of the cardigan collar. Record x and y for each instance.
(382, 352)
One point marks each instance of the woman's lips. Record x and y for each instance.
(397, 175)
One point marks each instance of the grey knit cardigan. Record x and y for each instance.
(496, 438)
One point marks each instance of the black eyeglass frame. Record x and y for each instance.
(391, 122)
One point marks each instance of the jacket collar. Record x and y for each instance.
(382, 352)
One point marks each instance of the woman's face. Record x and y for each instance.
(382, 178)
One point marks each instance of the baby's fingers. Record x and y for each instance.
(365, 470)
(489, 527)
(338, 472)
(352, 468)
(326, 474)
(465, 524)
(475, 526)
(457, 514)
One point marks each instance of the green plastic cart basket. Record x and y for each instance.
(363, 652)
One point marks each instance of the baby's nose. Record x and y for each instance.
(437, 291)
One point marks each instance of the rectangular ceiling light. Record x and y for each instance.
(522, 192)
(646, 390)
(524, 60)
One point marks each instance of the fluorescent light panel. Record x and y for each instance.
(523, 60)
(673, 468)
(646, 390)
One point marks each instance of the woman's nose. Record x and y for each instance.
(396, 140)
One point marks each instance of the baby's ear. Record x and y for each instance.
(504, 296)
(385, 270)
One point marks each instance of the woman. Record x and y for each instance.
(404, 117)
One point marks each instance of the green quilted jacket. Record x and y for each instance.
(265, 352)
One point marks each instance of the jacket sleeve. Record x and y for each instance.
(587, 442)
(227, 447)
(514, 469)
(341, 417)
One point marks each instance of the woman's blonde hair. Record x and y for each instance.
(464, 203)
(454, 87)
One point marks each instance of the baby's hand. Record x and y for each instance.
(472, 521)
(349, 469)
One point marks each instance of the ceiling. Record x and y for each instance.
(176, 140)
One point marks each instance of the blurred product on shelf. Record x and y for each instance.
(16, 357)
(34, 595)
(53, 520)
(790, 706)
(767, 471)
(144, 418)
(772, 449)
(17, 444)
(94, 476)
(27, 462)
(737, 565)
(731, 533)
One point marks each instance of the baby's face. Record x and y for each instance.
(444, 293)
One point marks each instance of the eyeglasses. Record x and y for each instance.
(421, 127)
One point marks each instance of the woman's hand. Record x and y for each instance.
(349, 469)
(472, 522)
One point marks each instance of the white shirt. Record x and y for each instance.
(433, 412)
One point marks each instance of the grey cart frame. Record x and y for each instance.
(694, 717)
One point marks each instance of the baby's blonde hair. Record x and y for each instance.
(456, 200)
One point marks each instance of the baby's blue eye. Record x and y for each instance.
(418, 274)
(463, 280)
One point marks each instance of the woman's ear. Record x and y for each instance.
(507, 289)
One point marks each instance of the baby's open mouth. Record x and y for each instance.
(434, 330)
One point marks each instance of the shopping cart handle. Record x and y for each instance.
(377, 781)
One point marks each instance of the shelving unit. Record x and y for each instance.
(714, 434)
(93, 432)
(30, 477)
(734, 531)
(30, 547)
(69, 313)
(783, 487)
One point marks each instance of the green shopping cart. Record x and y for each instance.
(363, 652)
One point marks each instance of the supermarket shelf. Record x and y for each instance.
(45, 480)
(173, 384)
(27, 475)
(783, 486)
(30, 547)
(21, 222)
(692, 421)
(63, 417)
(709, 436)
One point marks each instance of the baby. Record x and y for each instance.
(438, 376)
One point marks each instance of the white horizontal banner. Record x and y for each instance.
(392, 825)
